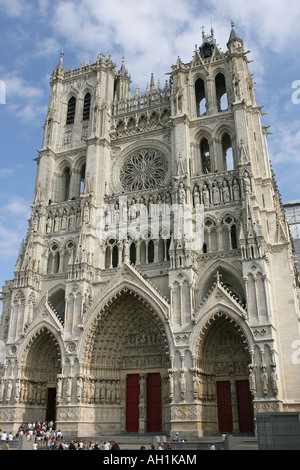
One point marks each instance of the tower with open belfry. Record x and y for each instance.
(156, 289)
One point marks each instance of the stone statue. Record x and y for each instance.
(236, 191)
(206, 196)
(264, 378)
(216, 194)
(181, 193)
(225, 192)
(196, 197)
(252, 383)
(247, 182)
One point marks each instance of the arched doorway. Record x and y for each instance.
(223, 359)
(127, 359)
(41, 365)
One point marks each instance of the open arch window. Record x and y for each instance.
(82, 177)
(71, 110)
(228, 163)
(221, 92)
(112, 255)
(200, 97)
(205, 156)
(86, 107)
(229, 280)
(66, 183)
(57, 302)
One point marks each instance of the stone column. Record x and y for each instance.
(143, 405)
(234, 402)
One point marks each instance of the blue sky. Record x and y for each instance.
(151, 34)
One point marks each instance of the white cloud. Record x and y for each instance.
(15, 8)
(149, 33)
(152, 34)
(272, 24)
(16, 206)
(9, 242)
(17, 87)
(284, 153)
(5, 172)
(285, 144)
(47, 47)
(25, 100)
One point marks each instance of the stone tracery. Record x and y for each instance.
(144, 169)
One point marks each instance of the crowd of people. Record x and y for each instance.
(45, 436)
(39, 433)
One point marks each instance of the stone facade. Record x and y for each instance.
(156, 289)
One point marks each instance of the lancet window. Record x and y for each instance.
(71, 110)
(205, 156)
(228, 163)
(200, 97)
(66, 183)
(86, 107)
(221, 92)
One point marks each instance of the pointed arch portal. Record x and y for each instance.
(223, 359)
(127, 358)
(41, 365)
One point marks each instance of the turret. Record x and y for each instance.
(122, 84)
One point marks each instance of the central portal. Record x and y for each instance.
(127, 367)
(142, 403)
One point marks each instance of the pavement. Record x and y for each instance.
(136, 441)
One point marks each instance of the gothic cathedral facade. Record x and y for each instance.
(156, 289)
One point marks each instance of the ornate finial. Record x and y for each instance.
(61, 62)
(123, 71)
(232, 23)
(218, 277)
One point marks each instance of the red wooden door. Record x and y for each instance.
(132, 403)
(224, 406)
(154, 409)
(245, 407)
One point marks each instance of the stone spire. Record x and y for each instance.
(233, 33)
(61, 65)
(123, 71)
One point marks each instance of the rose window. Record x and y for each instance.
(144, 169)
